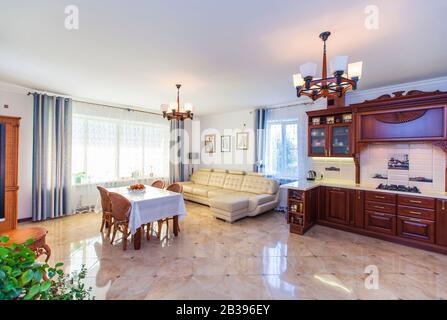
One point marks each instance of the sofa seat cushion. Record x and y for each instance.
(231, 202)
(255, 200)
(201, 190)
(218, 193)
(187, 188)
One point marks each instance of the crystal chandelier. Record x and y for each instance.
(344, 77)
(174, 111)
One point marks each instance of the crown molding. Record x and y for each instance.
(432, 84)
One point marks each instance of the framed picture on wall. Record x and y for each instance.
(225, 144)
(210, 143)
(242, 140)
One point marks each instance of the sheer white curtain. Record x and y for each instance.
(115, 147)
(281, 142)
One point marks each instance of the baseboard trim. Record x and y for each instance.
(24, 220)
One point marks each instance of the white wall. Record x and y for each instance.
(21, 105)
(225, 124)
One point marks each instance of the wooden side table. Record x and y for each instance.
(38, 234)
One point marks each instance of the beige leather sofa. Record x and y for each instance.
(232, 195)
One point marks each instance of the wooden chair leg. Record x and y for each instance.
(176, 226)
(160, 225)
(110, 228)
(125, 239)
(114, 233)
(148, 231)
(47, 251)
(102, 224)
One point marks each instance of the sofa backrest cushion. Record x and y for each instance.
(259, 185)
(201, 177)
(233, 182)
(217, 179)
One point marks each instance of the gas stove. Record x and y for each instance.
(395, 187)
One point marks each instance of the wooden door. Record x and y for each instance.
(337, 205)
(9, 148)
(441, 222)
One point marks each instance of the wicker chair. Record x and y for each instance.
(174, 187)
(120, 212)
(106, 210)
(158, 184)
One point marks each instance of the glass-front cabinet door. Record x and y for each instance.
(318, 138)
(340, 141)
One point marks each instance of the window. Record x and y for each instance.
(281, 157)
(113, 145)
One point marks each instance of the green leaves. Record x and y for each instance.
(22, 277)
(27, 276)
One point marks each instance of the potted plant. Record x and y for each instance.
(79, 177)
(24, 278)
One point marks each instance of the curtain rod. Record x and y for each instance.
(95, 103)
(289, 105)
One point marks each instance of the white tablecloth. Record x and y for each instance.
(152, 205)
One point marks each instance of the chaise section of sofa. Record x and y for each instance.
(232, 195)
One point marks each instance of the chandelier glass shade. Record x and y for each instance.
(344, 77)
(176, 111)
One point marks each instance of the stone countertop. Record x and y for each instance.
(304, 185)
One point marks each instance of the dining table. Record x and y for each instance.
(150, 205)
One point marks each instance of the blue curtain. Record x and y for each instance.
(176, 167)
(51, 157)
(260, 140)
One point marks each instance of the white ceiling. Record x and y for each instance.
(228, 54)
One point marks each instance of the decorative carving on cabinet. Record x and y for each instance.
(400, 117)
(400, 94)
(441, 144)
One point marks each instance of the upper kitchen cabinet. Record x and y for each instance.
(331, 133)
(414, 116)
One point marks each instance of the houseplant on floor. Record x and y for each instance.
(22, 277)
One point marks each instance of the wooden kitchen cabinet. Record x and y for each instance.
(318, 141)
(417, 229)
(338, 205)
(407, 219)
(358, 215)
(380, 222)
(331, 133)
(441, 222)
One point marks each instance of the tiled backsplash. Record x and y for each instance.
(426, 162)
(334, 168)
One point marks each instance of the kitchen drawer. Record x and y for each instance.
(380, 222)
(418, 213)
(420, 202)
(417, 229)
(380, 207)
(380, 197)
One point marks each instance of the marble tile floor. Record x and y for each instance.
(255, 258)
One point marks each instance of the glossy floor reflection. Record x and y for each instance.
(255, 258)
